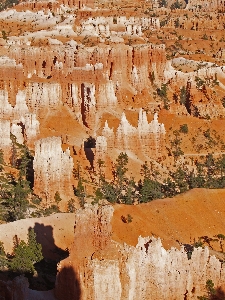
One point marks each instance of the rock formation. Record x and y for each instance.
(52, 171)
(5, 138)
(203, 5)
(109, 26)
(104, 269)
(148, 138)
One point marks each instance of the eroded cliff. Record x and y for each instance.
(99, 268)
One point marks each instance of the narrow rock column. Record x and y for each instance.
(52, 171)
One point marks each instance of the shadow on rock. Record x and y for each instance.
(46, 269)
(67, 284)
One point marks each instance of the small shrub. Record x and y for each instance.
(57, 197)
(36, 200)
(223, 101)
(205, 37)
(71, 206)
(184, 128)
(53, 209)
(129, 218)
(211, 291)
(176, 5)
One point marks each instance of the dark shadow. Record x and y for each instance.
(47, 268)
(90, 142)
(219, 295)
(88, 145)
(68, 285)
(44, 236)
(83, 108)
(30, 172)
(44, 278)
(5, 292)
(90, 156)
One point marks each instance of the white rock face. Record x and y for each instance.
(17, 131)
(5, 107)
(43, 95)
(52, 170)
(107, 97)
(31, 126)
(107, 280)
(125, 134)
(20, 108)
(123, 272)
(110, 26)
(109, 135)
(5, 140)
(147, 137)
(19, 117)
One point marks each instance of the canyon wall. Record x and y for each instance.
(99, 268)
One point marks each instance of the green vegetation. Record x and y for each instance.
(71, 206)
(163, 3)
(177, 23)
(205, 37)
(4, 35)
(211, 292)
(223, 101)
(127, 219)
(162, 93)
(14, 191)
(80, 192)
(183, 95)
(16, 195)
(8, 3)
(175, 145)
(24, 256)
(176, 5)
(121, 189)
(209, 172)
(57, 197)
(184, 128)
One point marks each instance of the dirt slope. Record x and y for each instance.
(186, 217)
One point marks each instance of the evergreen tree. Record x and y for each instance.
(26, 255)
(169, 188)
(57, 197)
(80, 192)
(175, 144)
(14, 191)
(3, 259)
(180, 177)
(15, 199)
(71, 206)
(150, 190)
(120, 168)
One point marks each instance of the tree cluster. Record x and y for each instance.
(24, 256)
(15, 186)
(209, 172)
(7, 3)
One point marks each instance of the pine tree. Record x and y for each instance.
(26, 255)
(80, 192)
